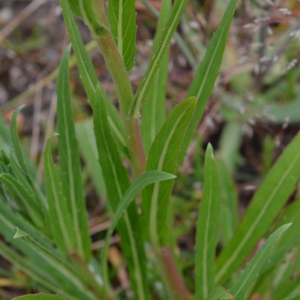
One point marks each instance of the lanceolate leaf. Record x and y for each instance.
(177, 11)
(207, 72)
(117, 183)
(290, 239)
(122, 21)
(69, 161)
(265, 206)
(248, 276)
(16, 188)
(154, 110)
(31, 260)
(144, 180)
(207, 228)
(163, 156)
(88, 75)
(58, 209)
(59, 262)
(219, 293)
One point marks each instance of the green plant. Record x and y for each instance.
(52, 244)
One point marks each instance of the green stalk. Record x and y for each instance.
(124, 91)
(134, 140)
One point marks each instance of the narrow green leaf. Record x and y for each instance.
(32, 271)
(26, 198)
(117, 182)
(23, 166)
(122, 21)
(69, 161)
(163, 156)
(88, 149)
(263, 209)
(207, 229)
(15, 139)
(59, 262)
(154, 110)
(207, 72)
(219, 293)
(177, 11)
(88, 75)
(290, 239)
(39, 297)
(58, 209)
(229, 204)
(142, 181)
(248, 276)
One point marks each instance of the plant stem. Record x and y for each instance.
(176, 286)
(124, 91)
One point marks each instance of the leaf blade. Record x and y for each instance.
(207, 73)
(207, 228)
(141, 182)
(69, 161)
(163, 157)
(263, 209)
(122, 21)
(58, 209)
(87, 72)
(144, 87)
(247, 277)
(117, 182)
(154, 110)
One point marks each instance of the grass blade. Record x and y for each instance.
(122, 21)
(207, 73)
(69, 161)
(39, 297)
(58, 208)
(163, 157)
(142, 181)
(177, 11)
(265, 206)
(117, 183)
(248, 276)
(154, 110)
(88, 75)
(207, 228)
(219, 293)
